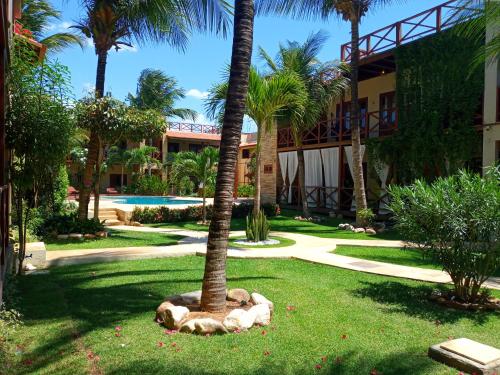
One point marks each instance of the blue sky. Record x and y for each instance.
(201, 65)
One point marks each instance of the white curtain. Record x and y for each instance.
(382, 170)
(313, 172)
(292, 171)
(330, 158)
(348, 153)
(283, 158)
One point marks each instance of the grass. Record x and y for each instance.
(402, 256)
(358, 322)
(284, 242)
(328, 228)
(117, 238)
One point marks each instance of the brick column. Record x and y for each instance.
(269, 166)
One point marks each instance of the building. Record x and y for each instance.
(179, 137)
(328, 151)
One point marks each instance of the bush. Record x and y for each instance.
(185, 186)
(245, 191)
(366, 216)
(164, 214)
(257, 227)
(456, 220)
(69, 223)
(61, 184)
(151, 185)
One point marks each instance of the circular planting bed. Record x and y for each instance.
(272, 242)
(243, 311)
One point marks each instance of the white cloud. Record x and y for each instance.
(88, 88)
(59, 26)
(195, 93)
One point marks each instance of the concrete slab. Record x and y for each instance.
(467, 355)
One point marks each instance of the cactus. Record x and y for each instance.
(257, 227)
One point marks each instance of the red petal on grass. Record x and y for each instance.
(324, 358)
(264, 332)
(373, 372)
(318, 367)
(267, 353)
(28, 362)
(173, 345)
(170, 331)
(118, 328)
(343, 337)
(160, 344)
(117, 334)
(290, 308)
(90, 355)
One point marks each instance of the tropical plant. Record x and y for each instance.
(257, 227)
(352, 11)
(478, 20)
(213, 297)
(118, 23)
(119, 156)
(142, 157)
(156, 90)
(323, 82)
(151, 185)
(246, 190)
(267, 96)
(201, 166)
(39, 127)
(456, 220)
(38, 16)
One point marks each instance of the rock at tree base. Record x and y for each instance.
(262, 314)
(239, 319)
(174, 315)
(259, 299)
(371, 231)
(160, 311)
(238, 295)
(467, 355)
(191, 298)
(208, 326)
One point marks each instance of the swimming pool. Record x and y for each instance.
(148, 200)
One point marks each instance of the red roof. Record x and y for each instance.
(200, 136)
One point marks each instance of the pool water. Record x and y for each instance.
(148, 200)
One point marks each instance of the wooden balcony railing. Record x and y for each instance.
(4, 223)
(194, 128)
(420, 25)
(372, 125)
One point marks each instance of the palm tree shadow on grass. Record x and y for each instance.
(413, 300)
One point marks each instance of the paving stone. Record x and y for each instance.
(467, 355)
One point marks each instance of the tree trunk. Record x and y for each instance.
(359, 186)
(213, 297)
(22, 240)
(256, 197)
(83, 206)
(121, 180)
(302, 182)
(204, 211)
(97, 185)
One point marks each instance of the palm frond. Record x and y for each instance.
(58, 42)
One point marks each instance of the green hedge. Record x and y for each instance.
(164, 214)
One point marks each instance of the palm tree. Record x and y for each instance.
(118, 23)
(142, 156)
(322, 82)
(156, 90)
(213, 296)
(267, 96)
(201, 166)
(352, 11)
(119, 156)
(37, 16)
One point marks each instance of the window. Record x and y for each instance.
(115, 180)
(346, 113)
(195, 147)
(388, 109)
(173, 147)
(245, 153)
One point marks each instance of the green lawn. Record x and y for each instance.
(328, 228)
(117, 238)
(284, 242)
(395, 255)
(357, 322)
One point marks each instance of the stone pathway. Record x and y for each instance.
(308, 248)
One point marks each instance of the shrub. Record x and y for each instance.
(151, 185)
(185, 186)
(69, 223)
(257, 227)
(366, 216)
(164, 214)
(246, 191)
(456, 220)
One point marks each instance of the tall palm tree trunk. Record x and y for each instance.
(97, 185)
(93, 149)
(213, 297)
(258, 158)
(302, 182)
(359, 186)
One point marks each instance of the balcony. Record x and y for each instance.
(193, 128)
(426, 23)
(372, 125)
